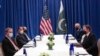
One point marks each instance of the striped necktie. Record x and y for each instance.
(13, 43)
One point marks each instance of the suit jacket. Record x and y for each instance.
(21, 40)
(78, 35)
(90, 44)
(8, 47)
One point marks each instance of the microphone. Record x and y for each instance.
(24, 52)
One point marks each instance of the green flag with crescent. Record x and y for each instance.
(61, 24)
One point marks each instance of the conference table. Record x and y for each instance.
(59, 49)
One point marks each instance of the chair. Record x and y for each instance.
(98, 45)
(1, 50)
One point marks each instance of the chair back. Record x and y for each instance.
(98, 45)
(1, 50)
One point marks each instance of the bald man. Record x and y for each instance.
(77, 26)
(78, 32)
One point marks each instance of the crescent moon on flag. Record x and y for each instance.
(60, 23)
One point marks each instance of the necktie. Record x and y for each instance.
(27, 37)
(16, 48)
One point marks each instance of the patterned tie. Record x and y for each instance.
(16, 48)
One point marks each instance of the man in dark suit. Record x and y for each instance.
(89, 41)
(21, 38)
(25, 29)
(25, 32)
(8, 44)
(78, 32)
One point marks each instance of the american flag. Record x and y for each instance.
(45, 24)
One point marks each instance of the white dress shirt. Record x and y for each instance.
(84, 36)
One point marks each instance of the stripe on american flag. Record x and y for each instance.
(45, 26)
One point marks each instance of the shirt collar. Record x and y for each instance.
(88, 34)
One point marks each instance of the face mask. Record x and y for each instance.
(10, 34)
(76, 28)
(25, 31)
(84, 32)
(21, 32)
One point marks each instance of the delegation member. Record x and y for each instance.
(89, 41)
(8, 44)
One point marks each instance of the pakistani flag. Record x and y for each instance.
(61, 24)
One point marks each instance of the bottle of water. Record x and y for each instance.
(66, 39)
(34, 41)
(41, 36)
(24, 52)
(71, 50)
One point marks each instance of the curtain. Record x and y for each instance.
(83, 12)
(15, 13)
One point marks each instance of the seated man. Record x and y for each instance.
(25, 29)
(78, 32)
(25, 32)
(21, 38)
(89, 41)
(8, 45)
